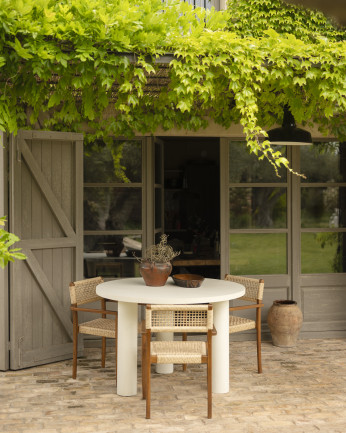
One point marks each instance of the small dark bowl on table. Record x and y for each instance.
(188, 280)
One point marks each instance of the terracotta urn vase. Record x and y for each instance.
(285, 320)
(155, 274)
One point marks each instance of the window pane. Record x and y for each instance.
(258, 254)
(200, 3)
(158, 207)
(158, 163)
(99, 163)
(112, 208)
(323, 207)
(257, 207)
(111, 256)
(323, 162)
(245, 167)
(113, 245)
(323, 252)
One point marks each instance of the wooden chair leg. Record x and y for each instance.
(147, 373)
(210, 405)
(209, 380)
(258, 332)
(184, 339)
(143, 368)
(147, 387)
(116, 359)
(75, 350)
(259, 354)
(103, 358)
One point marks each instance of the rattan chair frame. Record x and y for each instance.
(253, 293)
(84, 292)
(179, 352)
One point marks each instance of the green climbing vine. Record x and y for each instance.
(63, 67)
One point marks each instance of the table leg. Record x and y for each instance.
(220, 358)
(164, 368)
(127, 348)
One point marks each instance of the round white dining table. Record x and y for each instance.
(129, 292)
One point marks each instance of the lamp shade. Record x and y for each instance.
(289, 134)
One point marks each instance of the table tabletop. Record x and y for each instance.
(134, 290)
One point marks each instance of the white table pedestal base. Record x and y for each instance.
(127, 349)
(220, 358)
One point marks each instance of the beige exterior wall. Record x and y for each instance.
(223, 5)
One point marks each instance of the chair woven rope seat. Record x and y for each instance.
(178, 352)
(100, 327)
(238, 324)
(84, 292)
(253, 293)
(176, 318)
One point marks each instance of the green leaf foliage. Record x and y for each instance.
(65, 59)
(253, 18)
(7, 239)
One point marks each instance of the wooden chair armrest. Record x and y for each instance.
(246, 307)
(94, 310)
(214, 331)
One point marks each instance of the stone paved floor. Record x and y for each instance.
(302, 389)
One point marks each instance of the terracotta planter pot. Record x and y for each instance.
(285, 320)
(155, 274)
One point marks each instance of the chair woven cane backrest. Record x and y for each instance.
(179, 318)
(253, 287)
(84, 291)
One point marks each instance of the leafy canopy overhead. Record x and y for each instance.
(63, 58)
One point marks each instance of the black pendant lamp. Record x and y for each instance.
(289, 134)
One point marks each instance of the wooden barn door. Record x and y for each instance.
(46, 199)
(4, 325)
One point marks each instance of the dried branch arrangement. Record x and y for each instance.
(159, 253)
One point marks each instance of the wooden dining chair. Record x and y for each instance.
(84, 292)
(176, 318)
(254, 294)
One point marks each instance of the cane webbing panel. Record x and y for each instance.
(84, 291)
(253, 287)
(237, 324)
(100, 327)
(179, 318)
(178, 352)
